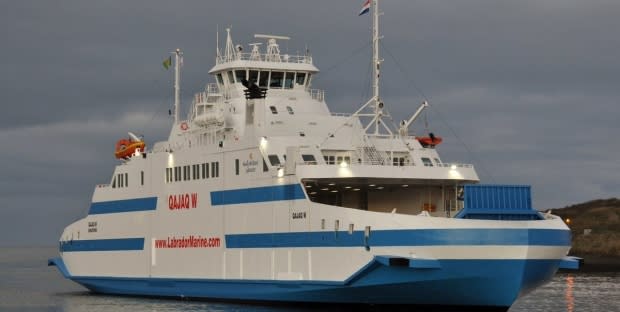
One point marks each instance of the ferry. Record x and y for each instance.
(263, 194)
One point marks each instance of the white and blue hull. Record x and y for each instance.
(409, 260)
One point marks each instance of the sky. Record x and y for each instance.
(528, 91)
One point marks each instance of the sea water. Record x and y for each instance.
(28, 284)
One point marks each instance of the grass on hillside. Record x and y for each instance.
(603, 218)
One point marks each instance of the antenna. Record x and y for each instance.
(177, 84)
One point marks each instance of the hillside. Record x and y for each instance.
(602, 216)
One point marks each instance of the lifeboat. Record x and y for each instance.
(127, 147)
(431, 140)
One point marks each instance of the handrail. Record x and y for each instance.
(264, 57)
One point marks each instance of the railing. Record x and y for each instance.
(276, 58)
(317, 94)
(211, 88)
(450, 165)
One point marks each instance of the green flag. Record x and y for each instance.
(168, 62)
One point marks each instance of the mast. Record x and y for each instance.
(376, 62)
(177, 84)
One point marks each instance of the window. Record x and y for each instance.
(185, 173)
(437, 161)
(231, 78)
(309, 159)
(237, 166)
(288, 80)
(195, 172)
(290, 110)
(215, 169)
(141, 177)
(427, 162)
(219, 79)
(264, 79)
(301, 133)
(265, 168)
(274, 160)
(177, 173)
(253, 76)
(276, 80)
(330, 160)
(274, 110)
(240, 75)
(308, 80)
(114, 182)
(205, 170)
(301, 77)
(398, 161)
(126, 179)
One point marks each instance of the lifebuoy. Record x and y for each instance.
(184, 126)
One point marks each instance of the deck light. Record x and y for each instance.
(453, 167)
(356, 189)
(335, 191)
(405, 185)
(347, 187)
(371, 185)
(325, 189)
(280, 172)
(331, 184)
(344, 164)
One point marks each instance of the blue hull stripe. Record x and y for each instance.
(435, 237)
(118, 244)
(475, 282)
(257, 194)
(125, 205)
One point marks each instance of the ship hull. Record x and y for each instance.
(472, 283)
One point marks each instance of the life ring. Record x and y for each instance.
(184, 126)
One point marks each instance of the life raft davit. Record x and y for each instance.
(431, 140)
(127, 147)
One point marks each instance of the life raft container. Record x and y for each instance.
(431, 140)
(126, 147)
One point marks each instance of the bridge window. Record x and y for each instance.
(288, 80)
(276, 80)
(231, 78)
(240, 74)
(274, 110)
(301, 77)
(219, 78)
(237, 166)
(290, 110)
(253, 75)
(264, 79)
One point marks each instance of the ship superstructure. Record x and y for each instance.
(262, 193)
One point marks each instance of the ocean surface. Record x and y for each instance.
(27, 284)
